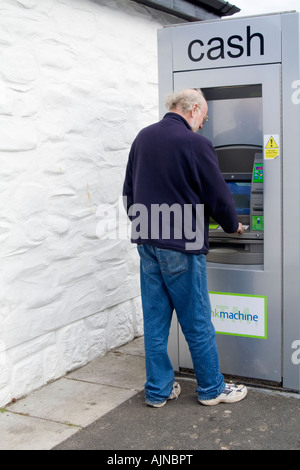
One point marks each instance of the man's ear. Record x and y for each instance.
(194, 109)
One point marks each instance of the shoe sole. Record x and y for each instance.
(160, 405)
(229, 400)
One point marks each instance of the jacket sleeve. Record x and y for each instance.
(128, 182)
(214, 192)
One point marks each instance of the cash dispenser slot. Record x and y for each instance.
(242, 169)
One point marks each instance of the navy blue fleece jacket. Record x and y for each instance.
(170, 164)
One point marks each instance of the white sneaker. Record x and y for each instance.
(231, 394)
(176, 391)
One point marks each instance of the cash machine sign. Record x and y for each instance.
(249, 41)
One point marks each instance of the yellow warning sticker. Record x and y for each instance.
(271, 143)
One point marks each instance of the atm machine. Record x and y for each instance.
(249, 71)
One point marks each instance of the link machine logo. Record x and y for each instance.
(240, 315)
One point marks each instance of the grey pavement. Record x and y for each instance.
(101, 407)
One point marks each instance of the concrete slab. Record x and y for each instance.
(135, 347)
(71, 402)
(115, 369)
(20, 432)
(53, 413)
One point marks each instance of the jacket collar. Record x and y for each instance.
(177, 117)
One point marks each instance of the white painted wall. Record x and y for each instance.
(78, 79)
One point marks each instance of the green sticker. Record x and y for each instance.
(257, 222)
(258, 173)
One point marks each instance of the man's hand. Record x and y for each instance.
(240, 229)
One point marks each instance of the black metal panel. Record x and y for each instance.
(192, 10)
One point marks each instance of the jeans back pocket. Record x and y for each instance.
(173, 262)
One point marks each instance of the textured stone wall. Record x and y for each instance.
(78, 79)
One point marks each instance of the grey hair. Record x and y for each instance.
(185, 99)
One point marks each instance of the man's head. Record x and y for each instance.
(191, 105)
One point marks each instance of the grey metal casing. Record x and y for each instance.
(255, 50)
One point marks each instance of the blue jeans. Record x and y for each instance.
(174, 280)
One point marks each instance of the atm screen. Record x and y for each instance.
(241, 193)
(235, 115)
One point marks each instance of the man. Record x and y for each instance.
(172, 173)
